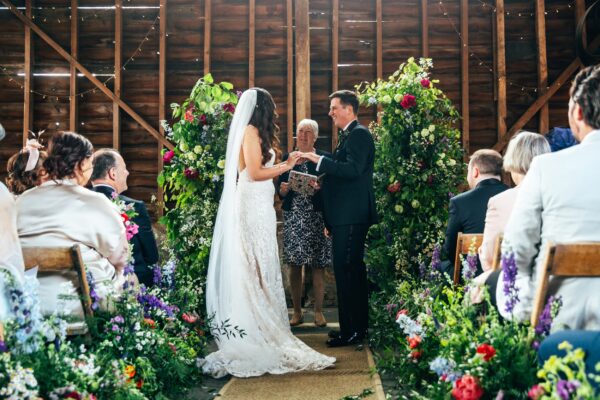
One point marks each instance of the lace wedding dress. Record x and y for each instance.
(244, 288)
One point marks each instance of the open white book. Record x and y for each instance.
(301, 182)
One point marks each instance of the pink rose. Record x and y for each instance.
(394, 187)
(536, 392)
(425, 83)
(189, 115)
(168, 156)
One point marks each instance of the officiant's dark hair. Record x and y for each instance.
(585, 91)
(263, 119)
(347, 98)
(65, 151)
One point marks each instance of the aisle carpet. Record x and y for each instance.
(350, 376)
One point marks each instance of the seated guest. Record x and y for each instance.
(25, 168)
(559, 202)
(467, 210)
(61, 212)
(11, 257)
(560, 138)
(588, 341)
(521, 150)
(109, 177)
(304, 240)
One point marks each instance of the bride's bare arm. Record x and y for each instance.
(252, 154)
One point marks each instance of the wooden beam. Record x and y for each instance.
(535, 107)
(501, 70)
(464, 72)
(116, 134)
(251, 42)
(424, 29)
(302, 60)
(28, 84)
(542, 64)
(335, 42)
(63, 53)
(379, 22)
(73, 109)
(162, 93)
(579, 12)
(207, 32)
(290, 75)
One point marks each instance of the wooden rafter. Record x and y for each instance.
(579, 13)
(251, 43)
(162, 90)
(63, 53)
(335, 40)
(28, 84)
(542, 64)
(116, 133)
(290, 75)
(379, 22)
(73, 109)
(302, 59)
(207, 32)
(424, 29)
(500, 69)
(542, 99)
(464, 73)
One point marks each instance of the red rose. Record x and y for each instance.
(404, 311)
(172, 347)
(394, 187)
(72, 395)
(425, 83)
(191, 173)
(430, 179)
(488, 351)
(189, 318)
(189, 115)
(416, 354)
(202, 119)
(467, 388)
(125, 217)
(229, 107)
(536, 392)
(414, 341)
(168, 156)
(408, 101)
(140, 383)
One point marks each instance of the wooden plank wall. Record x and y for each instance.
(221, 45)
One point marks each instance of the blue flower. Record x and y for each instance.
(509, 268)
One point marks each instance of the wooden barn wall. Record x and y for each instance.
(230, 47)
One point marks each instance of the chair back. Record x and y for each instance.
(497, 260)
(463, 242)
(566, 260)
(56, 259)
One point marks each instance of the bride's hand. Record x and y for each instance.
(293, 158)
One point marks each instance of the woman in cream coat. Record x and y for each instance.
(61, 213)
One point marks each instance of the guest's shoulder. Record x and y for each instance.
(504, 197)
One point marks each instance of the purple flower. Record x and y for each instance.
(469, 267)
(3, 347)
(128, 270)
(118, 319)
(535, 344)
(548, 314)
(391, 308)
(115, 328)
(509, 268)
(157, 276)
(565, 388)
(435, 258)
(94, 296)
(149, 302)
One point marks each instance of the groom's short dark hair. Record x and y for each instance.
(103, 161)
(347, 98)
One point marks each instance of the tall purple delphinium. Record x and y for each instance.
(93, 294)
(469, 265)
(149, 302)
(435, 258)
(566, 388)
(157, 276)
(509, 269)
(551, 308)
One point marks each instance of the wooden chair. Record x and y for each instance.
(57, 259)
(567, 260)
(497, 260)
(463, 242)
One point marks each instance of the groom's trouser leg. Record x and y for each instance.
(350, 277)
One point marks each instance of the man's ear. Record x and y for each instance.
(475, 172)
(112, 173)
(579, 112)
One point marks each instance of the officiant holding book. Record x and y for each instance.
(349, 211)
(304, 241)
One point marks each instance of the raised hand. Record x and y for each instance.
(293, 158)
(312, 157)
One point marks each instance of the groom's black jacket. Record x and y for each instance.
(348, 196)
(145, 251)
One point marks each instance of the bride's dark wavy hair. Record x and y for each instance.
(263, 119)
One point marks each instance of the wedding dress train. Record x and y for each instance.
(244, 286)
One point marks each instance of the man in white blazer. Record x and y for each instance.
(559, 202)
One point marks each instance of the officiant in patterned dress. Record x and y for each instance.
(304, 241)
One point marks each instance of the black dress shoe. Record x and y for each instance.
(355, 338)
(334, 333)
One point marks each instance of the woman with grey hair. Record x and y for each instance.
(520, 152)
(304, 241)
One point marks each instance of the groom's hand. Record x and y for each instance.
(312, 157)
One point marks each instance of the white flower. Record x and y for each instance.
(387, 99)
(197, 149)
(424, 132)
(431, 128)
(431, 138)
(451, 162)
(221, 164)
(398, 98)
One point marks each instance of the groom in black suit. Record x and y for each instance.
(109, 177)
(349, 211)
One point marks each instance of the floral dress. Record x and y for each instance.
(304, 242)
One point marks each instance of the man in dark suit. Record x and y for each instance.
(349, 211)
(467, 210)
(109, 177)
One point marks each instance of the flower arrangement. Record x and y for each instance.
(418, 162)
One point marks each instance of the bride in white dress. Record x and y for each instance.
(244, 287)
